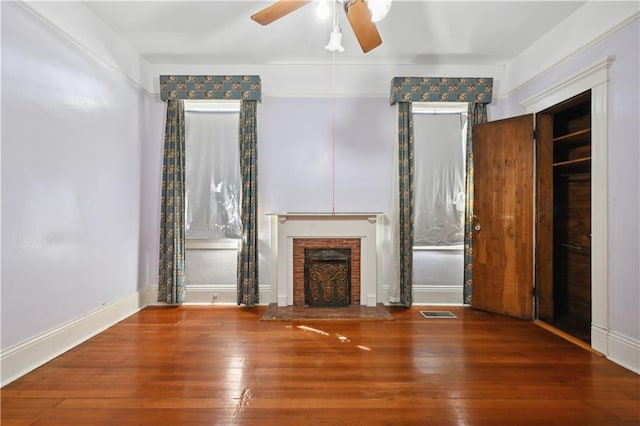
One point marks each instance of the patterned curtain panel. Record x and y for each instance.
(248, 255)
(405, 230)
(477, 115)
(171, 279)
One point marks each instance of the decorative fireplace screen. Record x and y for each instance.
(327, 277)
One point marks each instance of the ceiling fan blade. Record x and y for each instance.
(277, 11)
(360, 19)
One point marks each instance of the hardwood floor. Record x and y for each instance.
(222, 365)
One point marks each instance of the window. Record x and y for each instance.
(213, 183)
(439, 161)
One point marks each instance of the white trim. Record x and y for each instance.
(600, 206)
(618, 348)
(437, 295)
(58, 22)
(574, 85)
(599, 338)
(574, 53)
(150, 295)
(440, 108)
(208, 294)
(20, 359)
(594, 78)
(624, 351)
(212, 105)
(221, 244)
(458, 247)
(211, 294)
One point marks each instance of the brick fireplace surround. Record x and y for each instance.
(299, 244)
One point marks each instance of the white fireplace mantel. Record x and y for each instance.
(285, 227)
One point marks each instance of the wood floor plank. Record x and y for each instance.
(223, 365)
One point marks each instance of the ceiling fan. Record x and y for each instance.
(357, 13)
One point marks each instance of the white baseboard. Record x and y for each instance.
(599, 338)
(437, 295)
(617, 348)
(212, 295)
(25, 357)
(150, 295)
(209, 294)
(624, 351)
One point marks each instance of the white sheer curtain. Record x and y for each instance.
(212, 175)
(439, 179)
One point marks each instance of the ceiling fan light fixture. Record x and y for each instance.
(322, 11)
(335, 41)
(378, 9)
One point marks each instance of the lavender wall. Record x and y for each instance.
(152, 115)
(297, 155)
(71, 175)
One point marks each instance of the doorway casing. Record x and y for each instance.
(594, 78)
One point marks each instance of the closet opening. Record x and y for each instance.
(564, 216)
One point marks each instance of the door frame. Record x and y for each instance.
(594, 78)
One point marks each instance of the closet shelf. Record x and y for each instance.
(575, 163)
(578, 175)
(580, 137)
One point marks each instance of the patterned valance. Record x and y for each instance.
(239, 87)
(441, 89)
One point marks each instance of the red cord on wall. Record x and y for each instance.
(333, 139)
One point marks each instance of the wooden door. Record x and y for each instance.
(503, 236)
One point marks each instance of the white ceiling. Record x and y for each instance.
(414, 32)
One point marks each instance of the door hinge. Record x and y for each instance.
(535, 135)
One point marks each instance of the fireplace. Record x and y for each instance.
(291, 233)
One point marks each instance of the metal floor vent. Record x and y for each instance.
(438, 314)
